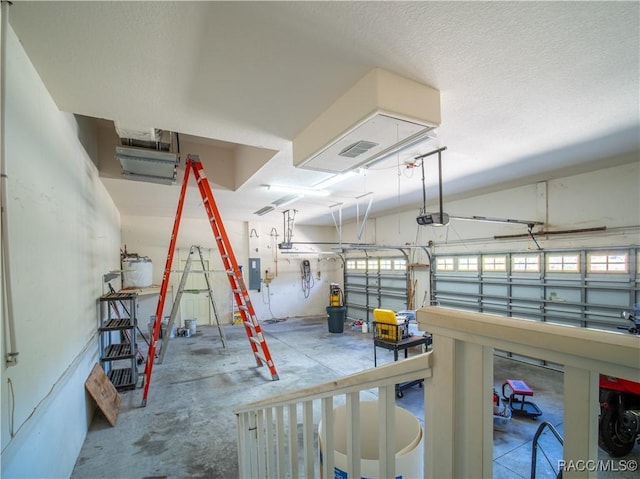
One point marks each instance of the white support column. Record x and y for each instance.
(439, 419)
(293, 440)
(580, 420)
(270, 445)
(280, 449)
(458, 406)
(473, 456)
(307, 438)
(252, 440)
(327, 447)
(354, 453)
(386, 431)
(242, 445)
(262, 443)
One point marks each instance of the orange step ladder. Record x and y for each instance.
(240, 293)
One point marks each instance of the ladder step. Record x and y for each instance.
(260, 357)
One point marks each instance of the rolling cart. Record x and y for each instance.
(391, 332)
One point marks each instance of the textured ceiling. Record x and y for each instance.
(529, 90)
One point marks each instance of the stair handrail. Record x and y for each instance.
(416, 367)
(534, 445)
(264, 452)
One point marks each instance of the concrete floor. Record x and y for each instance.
(188, 427)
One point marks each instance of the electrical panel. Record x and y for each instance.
(254, 273)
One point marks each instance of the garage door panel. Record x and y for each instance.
(372, 283)
(558, 287)
(527, 292)
(559, 294)
(609, 297)
(495, 289)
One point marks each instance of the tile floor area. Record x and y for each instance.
(188, 429)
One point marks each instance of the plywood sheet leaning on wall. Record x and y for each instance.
(104, 393)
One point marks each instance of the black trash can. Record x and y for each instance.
(336, 316)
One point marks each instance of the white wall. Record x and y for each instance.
(608, 198)
(284, 295)
(149, 236)
(64, 234)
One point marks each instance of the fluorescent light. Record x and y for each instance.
(264, 211)
(298, 191)
(287, 201)
(335, 179)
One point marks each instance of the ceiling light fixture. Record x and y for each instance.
(264, 211)
(298, 191)
(335, 179)
(287, 200)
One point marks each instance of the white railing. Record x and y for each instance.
(458, 394)
(458, 388)
(271, 446)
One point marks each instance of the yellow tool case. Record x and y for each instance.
(388, 326)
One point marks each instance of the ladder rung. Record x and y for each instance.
(260, 357)
(243, 308)
(254, 340)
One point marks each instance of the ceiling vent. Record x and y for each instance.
(380, 115)
(148, 165)
(357, 149)
(145, 154)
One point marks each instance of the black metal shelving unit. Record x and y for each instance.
(117, 332)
